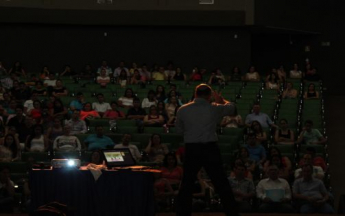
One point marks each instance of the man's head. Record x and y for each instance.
(308, 125)
(203, 91)
(99, 130)
(100, 98)
(251, 138)
(126, 139)
(256, 108)
(307, 159)
(19, 110)
(240, 170)
(79, 96)
(273, 172)
(67, 130)
(76, 115)
(136, 102)
(307, 171)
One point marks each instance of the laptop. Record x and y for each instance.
(120, 157)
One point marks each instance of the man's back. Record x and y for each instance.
(198, 120)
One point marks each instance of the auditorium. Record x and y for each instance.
(103, 107)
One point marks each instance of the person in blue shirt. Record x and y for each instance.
(98, 140)
(78, 103)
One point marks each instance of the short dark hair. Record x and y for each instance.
(99, 94)
(308, 165)
(203, 90)
(309, 122)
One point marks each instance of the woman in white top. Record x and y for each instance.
(272, 82)
(36, 142)
(281, 74)
(150, 100)
(127, 99)
(103, 79)
(252, 75)
(289, 91)
(295, 73)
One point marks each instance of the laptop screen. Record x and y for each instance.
(118, 157)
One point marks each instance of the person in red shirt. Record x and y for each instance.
(316, 160)
(114, 113)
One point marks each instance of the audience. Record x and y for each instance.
(252, 75)
(77, 126)
(87, 113)
(10, 149)
(264, 120)
(114, 113)
(98, 140)
(66, 142)
(59, 90)
(311, 93)
(235, 74)
(155, 149)
(243, 188)
(126, 100)
(311, 194)
(105, 67)
(101, 107)
(78, 103)
(295, 73)
(126, 139)
(103, 79)
(310, 136)
(284, 135)
(289, 92)
(153, 119)
(37, 142)
(150, 100)
(7, 191)
(315, 160)
(317, 170)
(274, 193)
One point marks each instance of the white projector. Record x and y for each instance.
(65, 163)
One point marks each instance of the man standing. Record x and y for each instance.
(198, 121)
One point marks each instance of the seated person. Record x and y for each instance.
(159, 75)
(317, 170)
(283, 171)
(123, 78)
(235, 74)
(150, 100)
(59, 90)
(10, 149)
(54, 131)
(256, 151)
(295, 73)
(101, 107)
(155, 149)
(137, 78)
(98, 140)
(103, 79)
(126, 100)
(274, 193)
(114, 113)
(77, 126)
(310, 136)
(262, 118)
(311, 92)
(39, 89)
(289, 91)
(311, 194)
(244, 157)
(315, 160)
(272, 82)
(252, 75)
(179, 75)
(57, 110)
(242, 188)
(37, 142)
(126, 139)
(7, 191)
(285, 161)
(284, 135)
(234, 121)
(136, 112)
(66, 142)
(88, 113)
(153, 119)
(216, 78)
(78, 103)
(171, 174)
(260, 134)
(171, 105)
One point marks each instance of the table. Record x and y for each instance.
(124, 193)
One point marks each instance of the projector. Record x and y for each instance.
(65, 163)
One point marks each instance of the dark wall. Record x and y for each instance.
(37, 45)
